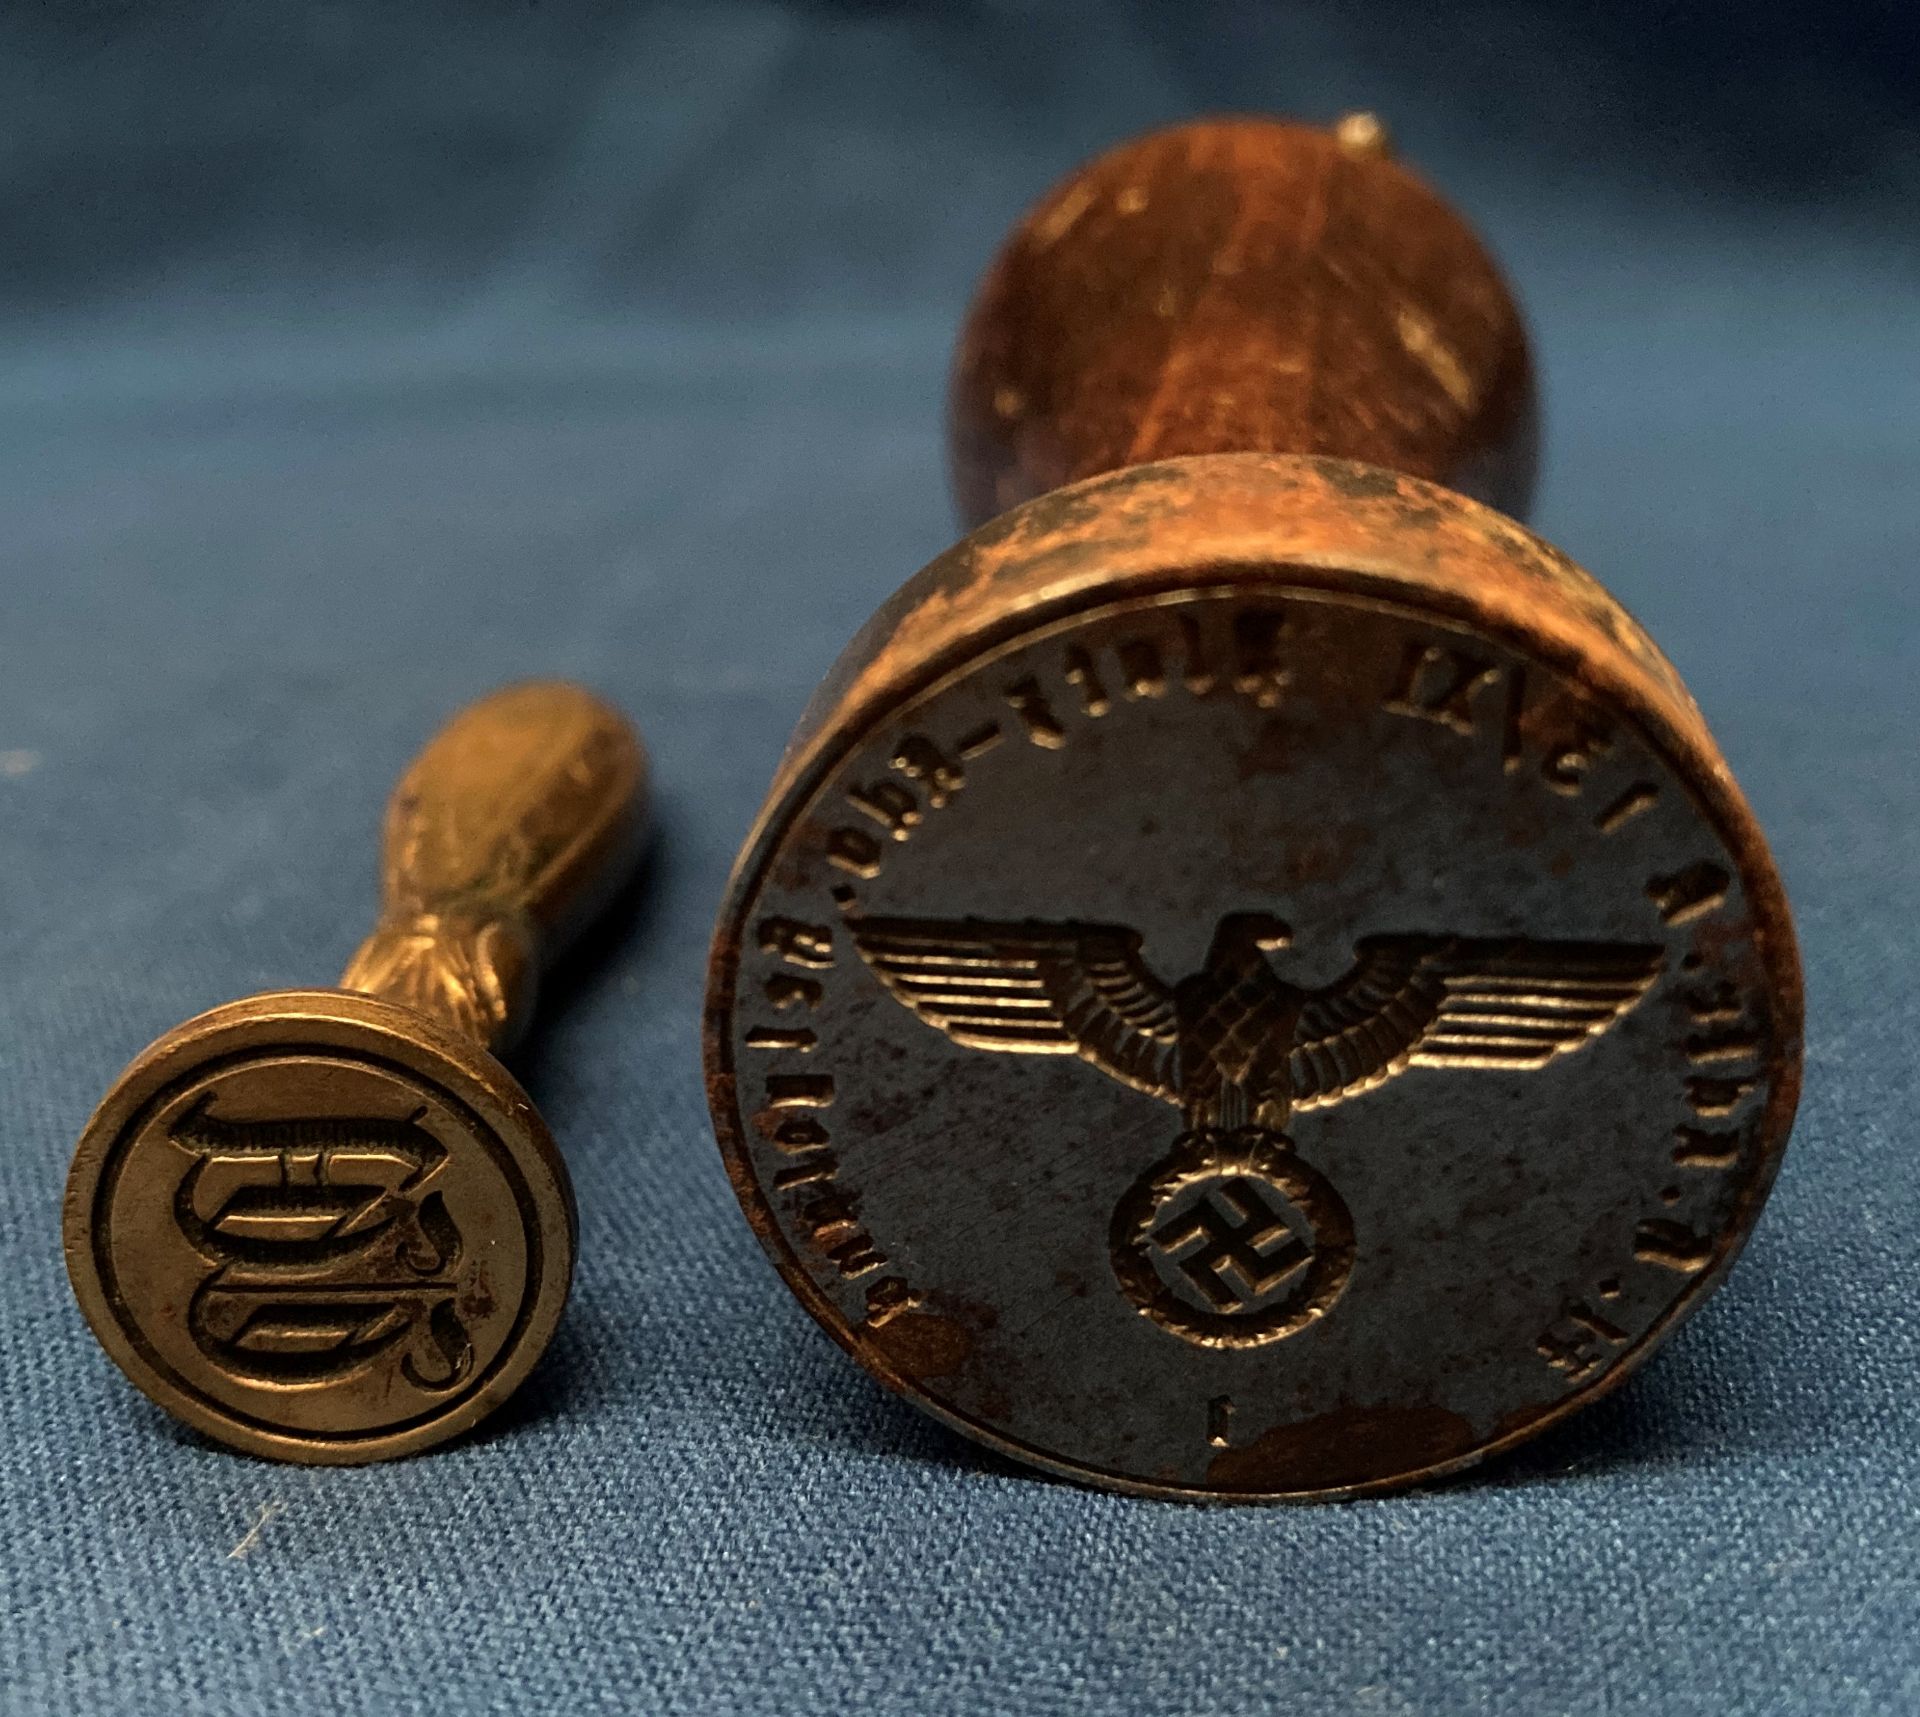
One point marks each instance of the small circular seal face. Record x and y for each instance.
(316, 1227)
(1253, 1039)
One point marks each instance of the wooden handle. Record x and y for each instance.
(1237, 286)
(520, 817)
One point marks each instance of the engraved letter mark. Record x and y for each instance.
(332, 1248)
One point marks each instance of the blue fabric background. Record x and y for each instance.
(354, 358)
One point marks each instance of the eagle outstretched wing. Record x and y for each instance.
(1046, 989)
(1448, 1001)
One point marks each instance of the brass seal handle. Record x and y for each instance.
(327, 1225)
(502, 837)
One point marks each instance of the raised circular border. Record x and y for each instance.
(368, 1030)
(852, 703)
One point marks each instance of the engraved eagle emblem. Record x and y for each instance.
(1235, 1045)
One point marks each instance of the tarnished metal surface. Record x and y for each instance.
(1252, 979)
(327, 1225)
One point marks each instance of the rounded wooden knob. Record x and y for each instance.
(1241, 285)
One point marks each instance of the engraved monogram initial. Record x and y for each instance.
(331, 1248)
(1233, 1240)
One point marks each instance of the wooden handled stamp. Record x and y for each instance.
(327, 1225)
(1252, 978)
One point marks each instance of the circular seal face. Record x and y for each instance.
(1251, 1039)
(317, 1227)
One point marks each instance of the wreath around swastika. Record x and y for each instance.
(1237, 1272)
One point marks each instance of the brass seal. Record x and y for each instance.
(327, 1225)
(1252, 979)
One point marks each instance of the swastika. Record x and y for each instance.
(1250, 1248)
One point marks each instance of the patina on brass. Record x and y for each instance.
(1252, 979)
(327, 1225)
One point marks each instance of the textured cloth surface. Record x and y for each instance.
(357, 359)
